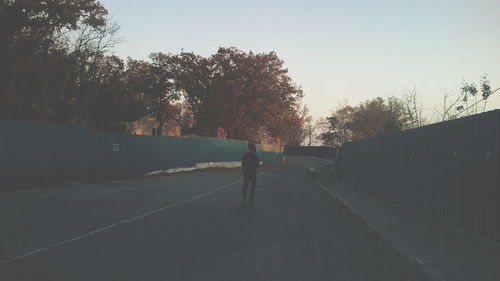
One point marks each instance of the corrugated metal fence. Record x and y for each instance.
(448, 171)
(317, 151)
(40, 150)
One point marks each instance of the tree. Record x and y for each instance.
(376, 117)
(193, 78)
(31, 50)
(108, 103)
(64, 50)
(161, 92)
(369, 119)
(309, 129)
(288, 128)
(468, 102)
(338, 126)
(470, 99)
(152, 83)
(88, 47)
(242, 93)
(38, 24)
(413, 109)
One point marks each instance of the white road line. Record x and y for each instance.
(317, 158)
(113, 225)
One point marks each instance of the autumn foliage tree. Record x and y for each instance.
(248, 95)
(57, 65)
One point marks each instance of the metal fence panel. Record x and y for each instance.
(315, 151)
(449, 171)
(38, 150)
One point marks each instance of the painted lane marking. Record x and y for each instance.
(317, 158)
(113, 225)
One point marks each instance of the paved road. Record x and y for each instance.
(190, 227)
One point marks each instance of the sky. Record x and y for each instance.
(335, 50)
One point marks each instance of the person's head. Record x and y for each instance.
(252, 147)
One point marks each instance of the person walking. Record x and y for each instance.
(249, 164)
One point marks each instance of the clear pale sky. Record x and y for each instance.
(354, 50)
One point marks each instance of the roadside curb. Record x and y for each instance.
(170, 171)
(420, 263)
(198, 166)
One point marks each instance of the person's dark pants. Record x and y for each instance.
(249, 178)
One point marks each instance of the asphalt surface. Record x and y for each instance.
(191, 227)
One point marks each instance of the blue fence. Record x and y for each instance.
(448, 171)
(42, 150)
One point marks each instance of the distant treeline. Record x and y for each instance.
(57, 65)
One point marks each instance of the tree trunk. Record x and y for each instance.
(161, 122)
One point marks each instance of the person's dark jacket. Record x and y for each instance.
(250, 162)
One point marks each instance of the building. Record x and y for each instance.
(148, 125)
